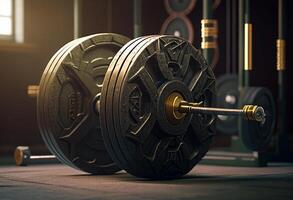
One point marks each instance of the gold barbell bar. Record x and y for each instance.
(176, 109)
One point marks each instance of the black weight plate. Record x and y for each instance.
(109, 85)
(227, 97)
(69, 99)
(50, 69)
(140, 135)
(99, 62)
(179, 6)
(125, 60)
(42, 118)
(52, 140)
(256, 135)
(119, 59)
(179, 26)
(46, 138)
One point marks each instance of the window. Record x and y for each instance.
(11, 20)
(6, 18)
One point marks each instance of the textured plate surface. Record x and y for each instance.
(115, 74)
(49, 72)
(70, 88)
(135, 127)
(42, 90)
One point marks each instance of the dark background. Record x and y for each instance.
(49, 25)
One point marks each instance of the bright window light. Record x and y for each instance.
(5, 26)
(6, 8)
(11, 20)
(6, 22)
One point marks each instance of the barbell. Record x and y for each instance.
(146, 105)
(23, 156)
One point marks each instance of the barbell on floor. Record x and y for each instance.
(104, 105)
(22, 156)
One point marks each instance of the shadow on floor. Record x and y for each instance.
(193, 179)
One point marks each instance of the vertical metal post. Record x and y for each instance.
(76, 18)
(207, 15)
(137, 18)
(228, 37)
(281, 67)
(240, 44)
(234, 37)
(247, 43)
(240, 56)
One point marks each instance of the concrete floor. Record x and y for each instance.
(56, 181)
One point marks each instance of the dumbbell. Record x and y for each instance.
(22, 156)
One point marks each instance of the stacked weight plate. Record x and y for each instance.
(177, 23)
(135, 128)
(70, 83)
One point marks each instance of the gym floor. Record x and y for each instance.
(57, 181)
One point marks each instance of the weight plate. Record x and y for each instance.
(70, 94)
(54, 66)
(143, 141)
(227, 97)
(256, 135)
(179, 6)
(48, 138)
(46, 74)
(179, 26)
(119, 60)
(53, 141)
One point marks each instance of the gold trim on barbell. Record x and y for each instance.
(281, 54)
(209, 22)
(209, 28)
(209, 31)
(208, 45)
(247, 47)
